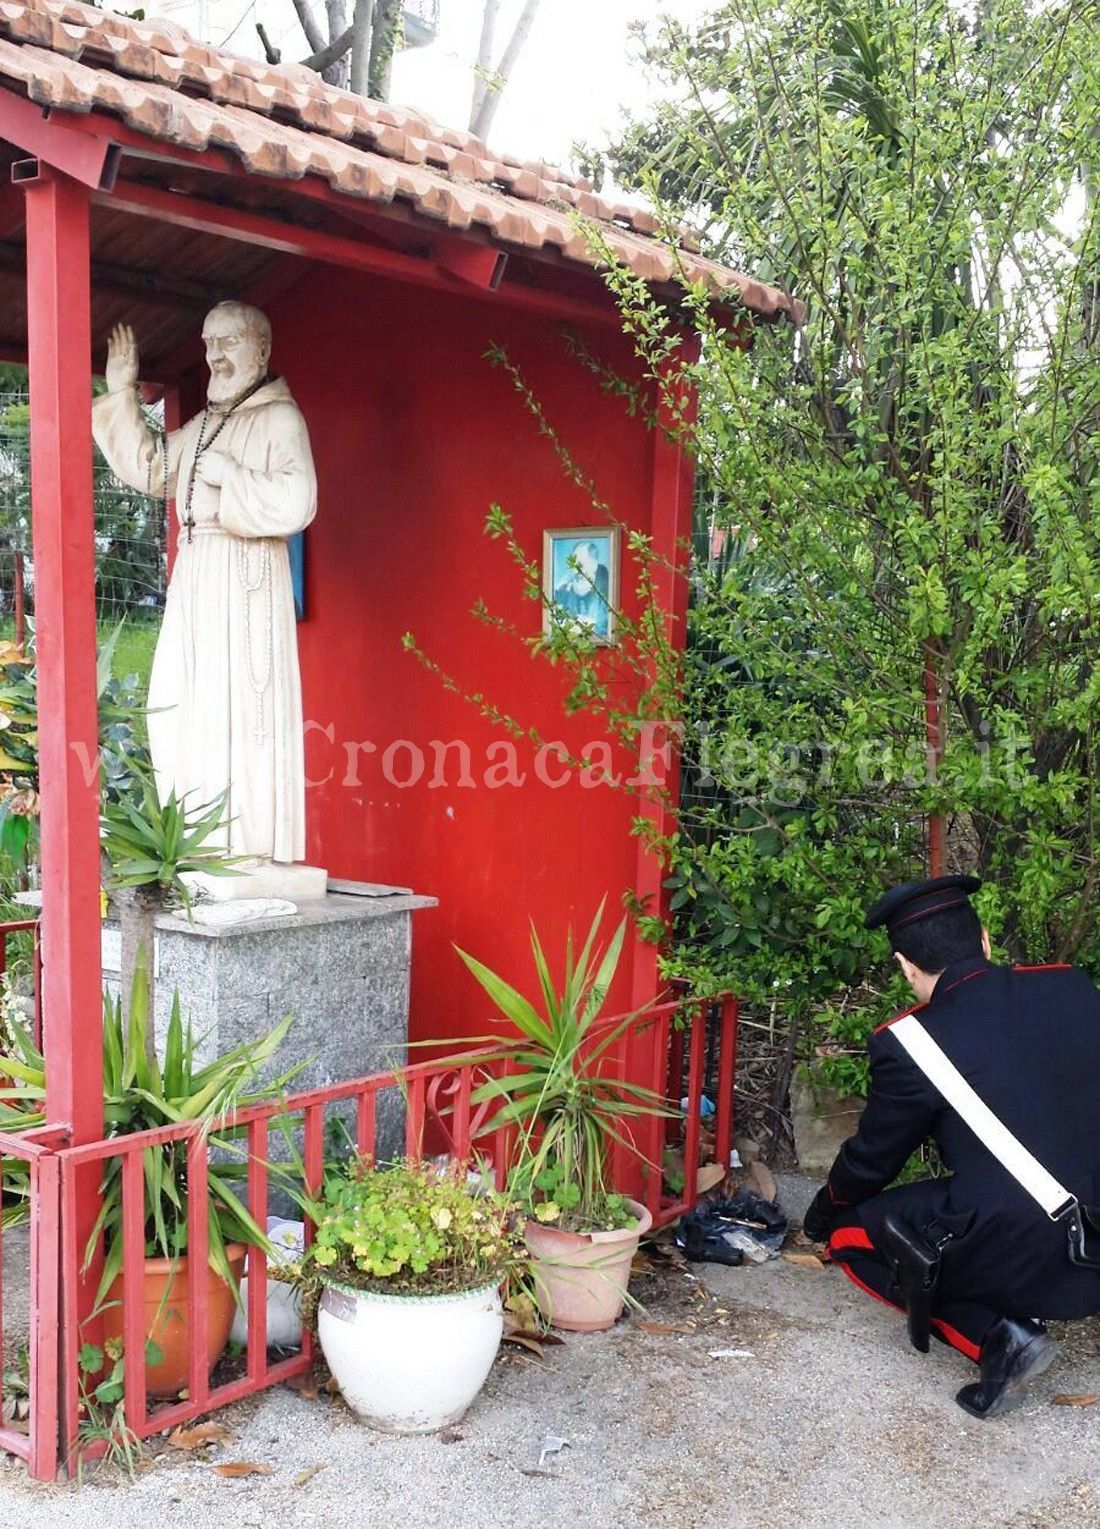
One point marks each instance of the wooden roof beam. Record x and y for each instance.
(170, 291)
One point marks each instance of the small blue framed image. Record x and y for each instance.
(580, 582)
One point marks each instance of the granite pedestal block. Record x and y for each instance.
(340, 966)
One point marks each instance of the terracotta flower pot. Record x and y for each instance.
(168, 1317)
(581, 1277)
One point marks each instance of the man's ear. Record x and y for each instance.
(907, 967)
(987, 944)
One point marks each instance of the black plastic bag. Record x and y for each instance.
(724, 1231)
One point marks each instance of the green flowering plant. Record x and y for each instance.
(412, 1229)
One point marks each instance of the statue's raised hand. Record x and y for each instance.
(122, 359)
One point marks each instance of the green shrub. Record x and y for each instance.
(413, 1229)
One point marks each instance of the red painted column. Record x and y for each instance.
(59, 356)
(659, 744)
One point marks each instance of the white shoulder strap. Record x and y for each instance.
(1009, 1151)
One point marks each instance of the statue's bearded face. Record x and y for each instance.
(236, 354)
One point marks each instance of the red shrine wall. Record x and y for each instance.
(415, 435)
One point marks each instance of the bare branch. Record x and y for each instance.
(309, 25)
(362, 20)
(271, 52)
(495, 84)
(483, 68)
(331, 53)
(336, 73)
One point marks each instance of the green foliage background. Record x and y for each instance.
(907, 483)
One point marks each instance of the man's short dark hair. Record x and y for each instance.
(932, 943)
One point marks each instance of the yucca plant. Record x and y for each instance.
(151, 846)
(555, 1091)
(139, 1095)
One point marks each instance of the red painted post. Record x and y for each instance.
(257, 1259)
(365, 1129)
(692, 1125)
(198, 1251)
(414, 1118)
(462, 1114)
(59, 357)
(727, 1079)
(659, 751)
(45, 1346)
(59, 353)
(133, 1287)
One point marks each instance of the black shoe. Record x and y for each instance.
(1014, 1353)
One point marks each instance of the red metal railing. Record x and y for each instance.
(436, 1101)
(38, 1445)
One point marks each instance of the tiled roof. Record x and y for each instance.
(285, 122)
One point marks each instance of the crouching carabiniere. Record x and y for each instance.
(999, 1066)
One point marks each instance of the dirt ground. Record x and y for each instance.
(766, 1395)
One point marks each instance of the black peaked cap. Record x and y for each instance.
(919, 899)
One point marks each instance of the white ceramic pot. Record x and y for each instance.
(407, 1363)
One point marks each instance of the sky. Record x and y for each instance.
(576, 75)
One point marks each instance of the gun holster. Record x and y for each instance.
(915, 1256)
(1083, 1229)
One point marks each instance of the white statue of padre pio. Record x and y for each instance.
(225, 700)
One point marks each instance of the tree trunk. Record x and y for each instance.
(482, 119)
(362, 19)
(385, 35)
(336, 73)
(483, 69)
(138, 908)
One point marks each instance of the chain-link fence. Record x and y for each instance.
(130, 547)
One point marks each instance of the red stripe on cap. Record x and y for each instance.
(900, 923)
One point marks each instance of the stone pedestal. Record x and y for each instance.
(340, 965)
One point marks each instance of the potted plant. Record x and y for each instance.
(568, 1113)
(410, 1259)
(140, 1094)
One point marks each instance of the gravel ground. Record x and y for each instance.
(830, 1419)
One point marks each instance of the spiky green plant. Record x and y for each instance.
(150, 843)
(555, 1089)
(139, 1094)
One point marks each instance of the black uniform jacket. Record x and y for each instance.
(1027, 1039)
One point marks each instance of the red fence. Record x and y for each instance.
(685, 1041)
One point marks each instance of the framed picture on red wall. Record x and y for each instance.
(580, 581)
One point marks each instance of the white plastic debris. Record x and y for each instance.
(284, 1302)
(731, 1353)
(551, 1445)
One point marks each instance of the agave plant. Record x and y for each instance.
(555, 1089)
(151, 846)
(139, 1095)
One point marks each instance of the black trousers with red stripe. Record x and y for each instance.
(959, 1317)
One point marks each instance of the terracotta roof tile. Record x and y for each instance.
(287, 123)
